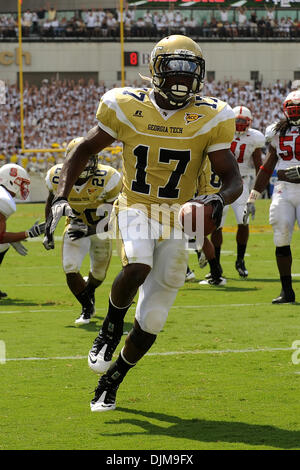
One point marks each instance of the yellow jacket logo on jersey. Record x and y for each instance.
(192, 117)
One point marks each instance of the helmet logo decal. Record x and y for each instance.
(192, 117)
(13, 172)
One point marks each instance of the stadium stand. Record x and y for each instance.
(234, 23)
(57, 111)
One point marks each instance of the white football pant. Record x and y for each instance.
(74, 252)
(167, 257)
(284, 211)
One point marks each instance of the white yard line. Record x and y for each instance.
(167, 353)
(50, 309)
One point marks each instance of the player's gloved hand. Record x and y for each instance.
(202, 260)
(59, 208)
(248, 210)
(293, 172)
(36, 230)
(21, 249)
(250, 206)
(217, 201)
(79, 230)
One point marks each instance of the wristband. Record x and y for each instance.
(253, 196)
(270, 173)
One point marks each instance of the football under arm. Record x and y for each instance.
(95, 141)
(225, 166)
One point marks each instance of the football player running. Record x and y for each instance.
(167, 131)
(97, 185)
(247, 147)
(284, 151)
(14, 183)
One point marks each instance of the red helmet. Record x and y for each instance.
(291, 107)
(243, 119)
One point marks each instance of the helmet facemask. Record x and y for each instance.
(90, 168)
(242, 124)
(92, 164)
(291, 109)
(22, 188)
(178, 76)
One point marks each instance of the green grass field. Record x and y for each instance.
(220, 375)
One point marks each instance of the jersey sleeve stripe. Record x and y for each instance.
(214, 148)
(224, 115)
(108, 130)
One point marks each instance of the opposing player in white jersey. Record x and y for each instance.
(284, 151)
(167, 131)
(97, 185)
(247, 147)
(14, 183)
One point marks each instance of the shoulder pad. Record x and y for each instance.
(7, 204)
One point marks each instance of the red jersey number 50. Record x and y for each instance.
(290, 146)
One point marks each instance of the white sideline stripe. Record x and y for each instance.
(174, 307)
(168, 353)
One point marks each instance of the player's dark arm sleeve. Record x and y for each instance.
(95, 141)
(225, 166)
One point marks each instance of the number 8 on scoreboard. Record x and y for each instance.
(131, 58)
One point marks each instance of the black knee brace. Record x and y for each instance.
(141, 339)
(283, 251)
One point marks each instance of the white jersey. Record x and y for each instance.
(287, 146)
(243, 147)
(7, 203)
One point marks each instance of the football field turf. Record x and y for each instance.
(221, 375)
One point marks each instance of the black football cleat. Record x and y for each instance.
(104, 346)
(105, 395)
(86, 315)
(220, 281)
(285, 298)
(241, 268)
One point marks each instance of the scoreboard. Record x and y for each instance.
(131, 59)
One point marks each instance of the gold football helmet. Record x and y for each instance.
(181, 58)
(92, 164)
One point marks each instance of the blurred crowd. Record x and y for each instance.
(58, 111)
(240, 22)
